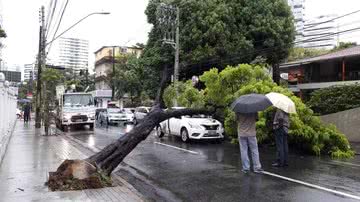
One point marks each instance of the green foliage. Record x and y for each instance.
(335, 99)
(188, 95)
(298, 53)
(2, 33)
(81, 80)
(219, 32)
(306, 132)
(129, 78)
(344, 45)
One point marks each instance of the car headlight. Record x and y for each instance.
(195, 126)
(91, 116)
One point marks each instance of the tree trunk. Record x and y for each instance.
(276, 74)
(112, 155)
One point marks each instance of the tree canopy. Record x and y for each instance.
(222, 32)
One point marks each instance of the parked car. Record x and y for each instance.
(130, 116)
(140, 113)
(115, 115)
(191, 127)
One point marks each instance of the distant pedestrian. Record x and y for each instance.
(27, 113)
(247, 139)
(281, 127)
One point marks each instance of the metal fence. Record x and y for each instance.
(7, 109)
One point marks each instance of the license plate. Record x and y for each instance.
(212, 132)
(79, 120)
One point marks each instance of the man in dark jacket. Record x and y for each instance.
(281, 126)
(27, 113)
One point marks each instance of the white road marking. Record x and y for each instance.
(178, 148)
(313, 186)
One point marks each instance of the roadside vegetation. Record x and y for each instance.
(307, 133)
(335, 99)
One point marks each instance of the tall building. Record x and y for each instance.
(298, 10)
(104, 61)
(29, 72)
(70, 53)
(320, 32)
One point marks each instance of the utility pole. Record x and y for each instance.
(169, 20)
(41, 58)
(113, 73)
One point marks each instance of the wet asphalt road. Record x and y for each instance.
(209, 171)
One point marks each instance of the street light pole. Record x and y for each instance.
(42, 57)
(62, 33)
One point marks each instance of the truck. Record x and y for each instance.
(74, 109)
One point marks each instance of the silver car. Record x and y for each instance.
(140, 113)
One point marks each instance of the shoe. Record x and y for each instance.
(277, 165)
(260, 170)
(245, 171)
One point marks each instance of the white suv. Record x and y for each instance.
(192, 127)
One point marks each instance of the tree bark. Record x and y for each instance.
(112, 155)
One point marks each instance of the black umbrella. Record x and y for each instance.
(250, 103)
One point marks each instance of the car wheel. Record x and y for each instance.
(159, 132)
(91, 126)
(184, 135)
(135, 122)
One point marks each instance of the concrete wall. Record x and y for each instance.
(348, 122)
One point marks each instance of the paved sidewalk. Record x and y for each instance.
(29, 158)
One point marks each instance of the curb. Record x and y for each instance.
(95, 150)
(5, 141)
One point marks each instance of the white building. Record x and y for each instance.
(298, 10)
(105, 58)
(70, 53)
(320, 32)
(29, 72)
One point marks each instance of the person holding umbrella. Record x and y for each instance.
(246, 108)
(281, 125)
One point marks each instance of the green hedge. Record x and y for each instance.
(335, 99)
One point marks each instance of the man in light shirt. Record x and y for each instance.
(247, 139)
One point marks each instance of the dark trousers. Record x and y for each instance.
(282, 149)
(26, 117)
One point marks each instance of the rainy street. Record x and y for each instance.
(169, 170)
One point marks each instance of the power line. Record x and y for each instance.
(51, 18)
(263, 51)
(57, 28)
(314, 25)
(336, 18)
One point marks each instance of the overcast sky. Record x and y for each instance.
(125, 26)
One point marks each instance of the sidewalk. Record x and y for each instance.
(29, 158)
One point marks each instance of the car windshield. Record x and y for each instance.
(197, 116)
(114, 110)
(128, 111)
(78, 100)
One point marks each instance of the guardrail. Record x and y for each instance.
(8, 103)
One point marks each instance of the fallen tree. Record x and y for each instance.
(94, 171)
